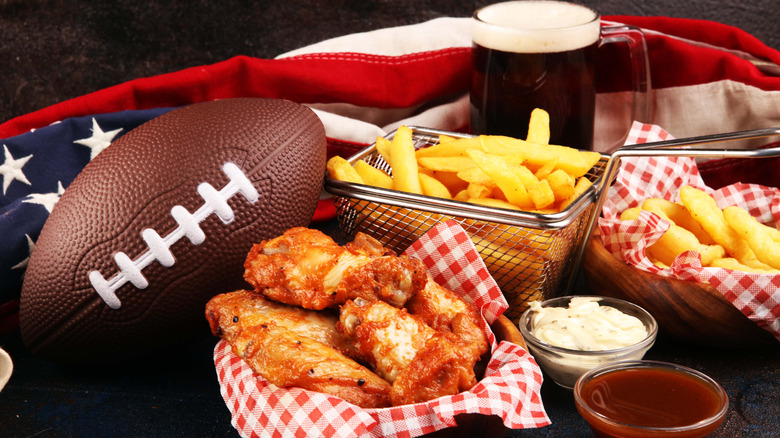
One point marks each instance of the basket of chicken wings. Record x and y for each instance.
(356, 340)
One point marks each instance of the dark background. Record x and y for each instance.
(53, 50)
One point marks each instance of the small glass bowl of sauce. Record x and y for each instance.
(650, 399)
(570, 335)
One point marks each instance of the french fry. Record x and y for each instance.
(457, 164)
(545, 184)
(507, 180)
(433, 187)
(403, 162)
(739, 241)
(675, 241)
(575, 162)
(450, 180)
(477, 191)
(630, 214)
(477, 176)
(546, 169)
(657, 262)
(735, 265)
(547, 210)
(539, 127)
(579, 188)
(706, 212)
(763, 240)
(497, 193)
(443, 138)
(462, 195)
(340, 169)
(678, 214)
(373, 176)
(383, 147)
(561, 184)
(446, 164)
(525, 175)
(541, 195)
(453, 148)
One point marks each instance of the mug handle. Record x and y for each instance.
(642, 107)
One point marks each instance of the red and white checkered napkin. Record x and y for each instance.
(510, 388)
(756, 295)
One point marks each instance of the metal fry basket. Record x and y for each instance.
(531, 256)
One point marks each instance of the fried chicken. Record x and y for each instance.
(417, 339)
(305, 267)
(445, 311)
(229, 313)
(385, 337)
(293, 347)
(422, 363)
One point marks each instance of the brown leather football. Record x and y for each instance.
(161, 221)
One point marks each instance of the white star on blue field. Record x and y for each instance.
(36, 168)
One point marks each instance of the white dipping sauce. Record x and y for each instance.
(585, 326)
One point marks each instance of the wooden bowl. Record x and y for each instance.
(506, 330)
(686, 311)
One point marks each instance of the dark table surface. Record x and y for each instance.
(177, 394)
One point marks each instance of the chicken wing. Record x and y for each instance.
(229, 313)
(293, 347)
(445, 311)
(305, 267)
(422, 363)
(440, 368)
(385, 337)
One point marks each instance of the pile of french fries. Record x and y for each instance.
(503, 172)
(729, 238)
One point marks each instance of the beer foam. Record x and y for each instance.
(535, 26)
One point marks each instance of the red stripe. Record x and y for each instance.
(326, 210)
(675, 63)
(717, 34)
(363, 80)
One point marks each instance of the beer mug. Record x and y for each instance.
(542, 54)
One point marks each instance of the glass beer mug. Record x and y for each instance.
(542, 54)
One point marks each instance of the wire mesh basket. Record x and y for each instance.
(530, 255)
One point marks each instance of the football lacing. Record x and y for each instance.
(188, 225)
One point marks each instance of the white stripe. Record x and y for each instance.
(364, 124)
(694, 110)
(436, 34)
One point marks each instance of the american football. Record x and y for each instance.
(161, 221)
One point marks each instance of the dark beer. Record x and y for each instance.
(516, 71)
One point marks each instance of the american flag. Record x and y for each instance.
(35, 170)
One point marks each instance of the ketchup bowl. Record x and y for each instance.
(650, 399)
(599, 330)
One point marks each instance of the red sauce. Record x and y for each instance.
(650, 398)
